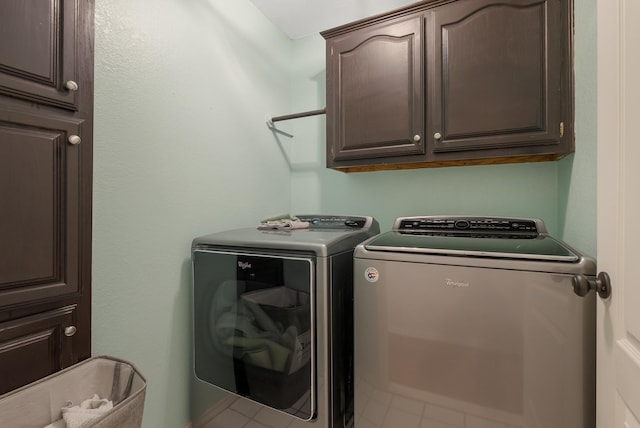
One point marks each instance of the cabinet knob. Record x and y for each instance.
(416, 138)
(70, 330)
(74, 139)
(71, 85)
(437, 136)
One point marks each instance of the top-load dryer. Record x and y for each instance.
(273, 316)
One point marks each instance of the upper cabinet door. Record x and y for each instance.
(498, 78)
(375, 92)
(38, 51)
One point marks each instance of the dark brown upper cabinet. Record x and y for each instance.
(496, 85)
(375, 84)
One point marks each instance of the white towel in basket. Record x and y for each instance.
(90, 409)
(82, 415)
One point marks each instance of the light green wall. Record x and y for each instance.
(181, 149)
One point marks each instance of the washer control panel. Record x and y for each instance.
(463, 225)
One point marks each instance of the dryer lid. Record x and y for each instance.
(326, 235)
(495, 237)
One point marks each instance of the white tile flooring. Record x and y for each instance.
(247, 414)
(381, 409)
(376, 409)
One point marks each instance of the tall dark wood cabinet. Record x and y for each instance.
(454, 83)
(46, 132)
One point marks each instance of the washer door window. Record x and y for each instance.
(253, 322)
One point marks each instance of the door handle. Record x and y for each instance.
(601, 285)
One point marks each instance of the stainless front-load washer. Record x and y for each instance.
(273, 318)
(472, 322)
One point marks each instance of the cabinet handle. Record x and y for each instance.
(74, 139)
(416, 138)
(71, 85)
(437, 135)
(70, 330)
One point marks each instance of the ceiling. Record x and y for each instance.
(301, 18)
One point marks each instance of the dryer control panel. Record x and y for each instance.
(481, 226)
(337, 222)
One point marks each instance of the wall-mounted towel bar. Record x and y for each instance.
(297, 115)
(270, 120)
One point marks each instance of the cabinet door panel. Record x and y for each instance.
(34, 347)
(38, 50)
(375, 85)
(497, 75)
(39, 190)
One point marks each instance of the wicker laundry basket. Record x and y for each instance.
(39, 404)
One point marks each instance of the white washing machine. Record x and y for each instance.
(273, 319)
(473, 322)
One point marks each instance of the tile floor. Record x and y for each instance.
(374, 409)
(248, 414)
(378, 409)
